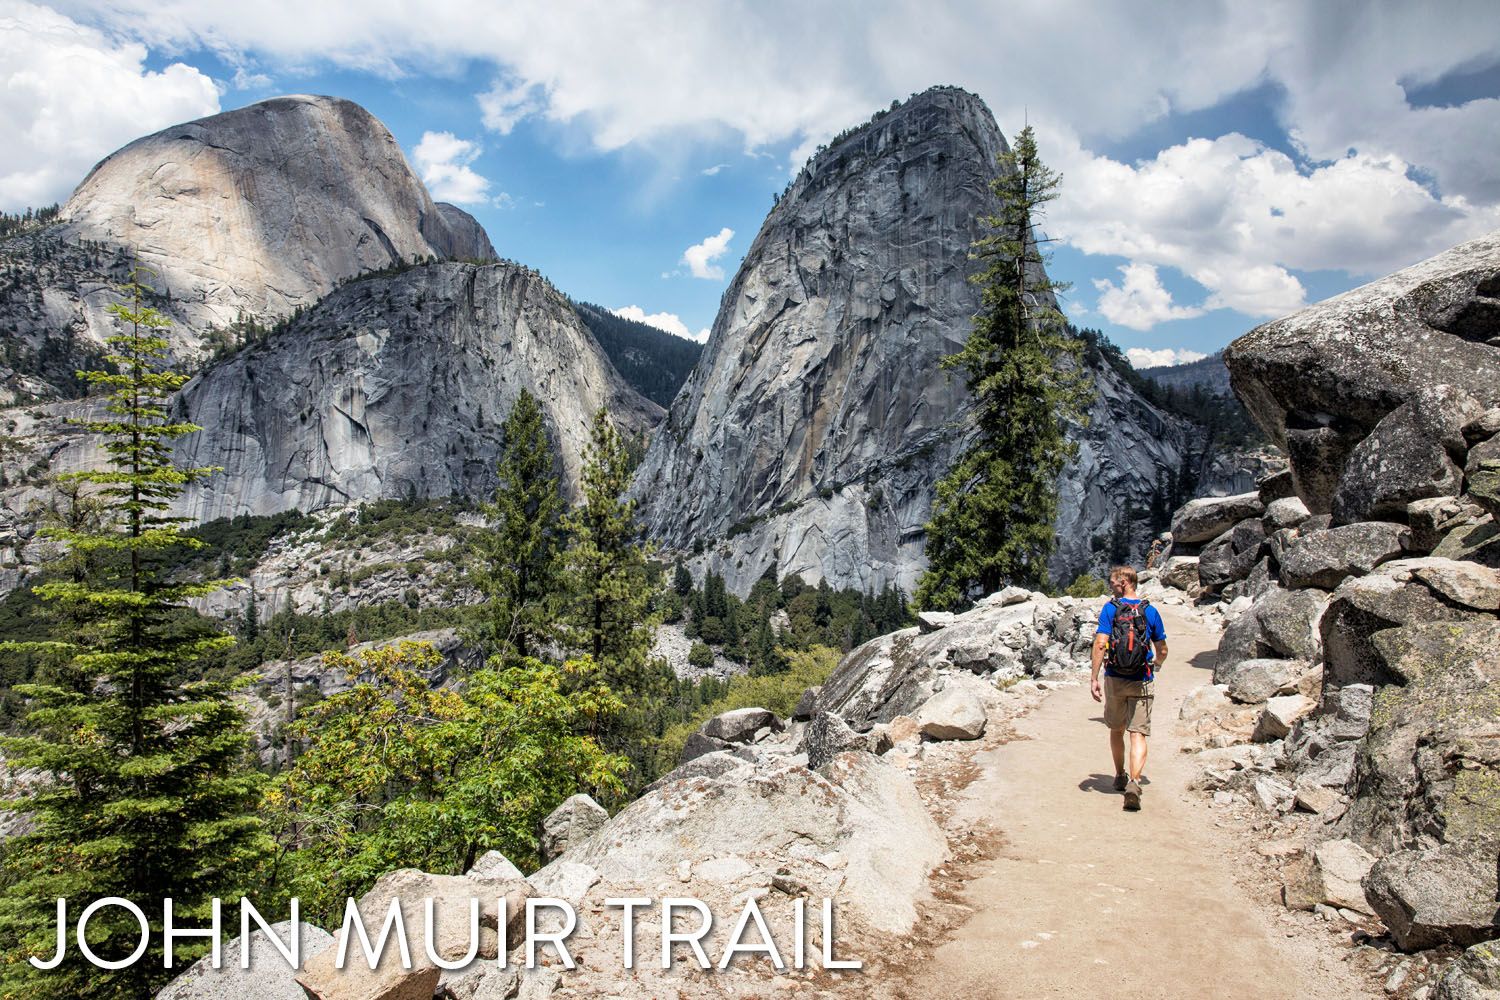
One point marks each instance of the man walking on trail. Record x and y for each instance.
(1130, 645)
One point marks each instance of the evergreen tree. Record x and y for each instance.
(250, 623)
(149, 794)
(518, 558)
(609, 589)
(682, 580)
(993, 514)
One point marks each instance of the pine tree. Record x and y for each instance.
(518, 558)
(993, 514)
(149, 793)
(609, 588)
(250, 623)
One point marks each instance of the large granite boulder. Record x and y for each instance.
(1429, 769)
(1475, 976)
(740, 725)
(269, 977)
(1252, 681)
(858, 806)
(1443, 896)
(1415, 452)
(1390, 597)
(1326, 558)
(1231, 556)
(1206, 518)
(954, 713)
(577, 819)
(1281, 623)
(827, 736)
(1320, 380)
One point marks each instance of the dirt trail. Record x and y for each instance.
(1085, 900)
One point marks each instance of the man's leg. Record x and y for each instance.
(1137, 755)
(1117, 748)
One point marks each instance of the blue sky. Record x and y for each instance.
(1223, 163)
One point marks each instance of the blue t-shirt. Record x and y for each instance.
(1157, 628)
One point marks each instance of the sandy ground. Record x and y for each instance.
(1074, 897)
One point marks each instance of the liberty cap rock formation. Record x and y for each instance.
(818, 420)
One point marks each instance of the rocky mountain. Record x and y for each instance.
(396, 386)
(813, 429)
(1209, 372)
(246, 215)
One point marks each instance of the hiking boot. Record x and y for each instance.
(1132, 795)
(1120, 782)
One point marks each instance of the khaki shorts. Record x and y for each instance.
(1127, 704)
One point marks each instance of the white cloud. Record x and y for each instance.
(700, 256)
(670, 322)
(443, 162)
(1140, 357)
(713, 170)
(1139, 301)
(245, 80)
(70, 95)
(507, 102)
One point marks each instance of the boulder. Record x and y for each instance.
(1206, 518)
(807, 705)
(1477, 542)
(1288, 512)
(1289, 621)
(268, 978)
(1428, 771)
(1483, 487)
(931, 621)
(1232, 555)
(1339, 867)
(1316, 799)
(698, 745)
(1433, 519)
(1252, 681)
(1443, 896)
(828, 736)
(563, 879)
(707, 766)
(1475, 976)
(954, 713)
(886, 677)
(1320, 380)
(1326, 558)
(860, 806)
(493, 864)
(577, 819)
(1279, 715)
(1465, 583)
(1205, 701)
(1389, 597)
(1409, 455)
(740, 725)
(1180, 572)
(1276, 486)
(451, 894)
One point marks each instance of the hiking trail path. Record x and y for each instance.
(1083, 899)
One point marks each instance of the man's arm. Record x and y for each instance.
(1101, 646)
(1161, 655)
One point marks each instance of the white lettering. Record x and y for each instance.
(62, 940)
(668, 936)
(799, 928)
(429, 910)
(829, 962)
(169, 933)
(373, 955)
(129, 907)
(627, 930)
(558, 939)
(768, 946)
(291, 951)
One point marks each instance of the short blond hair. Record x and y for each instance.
(1126, 573)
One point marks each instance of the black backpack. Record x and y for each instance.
(1129, 641)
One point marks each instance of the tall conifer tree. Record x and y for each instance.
(518, 558)
(147, 792)
(992, 519)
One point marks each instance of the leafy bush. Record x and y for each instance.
(1087, 585)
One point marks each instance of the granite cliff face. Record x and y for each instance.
(392, 386)
(815, 426)
(248, 214)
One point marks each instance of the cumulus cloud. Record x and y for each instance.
(72, 95)
(443, 162)
(1139, 301)
(670, 322)
(700, 257)
(1140, 357)
(713, 170)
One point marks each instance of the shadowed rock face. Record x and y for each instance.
(250, 213)
(1320, 380)
(397, 386)
(815, 426)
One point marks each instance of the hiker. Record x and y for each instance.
(1131, 645)
(1155, 554)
